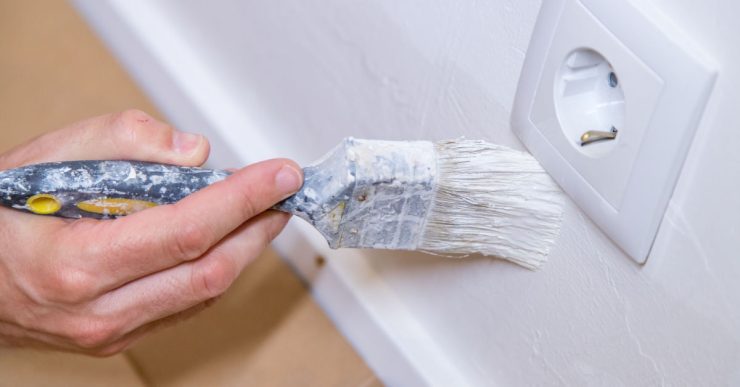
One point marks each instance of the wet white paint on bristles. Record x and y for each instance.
(453, 198)
(492, 200)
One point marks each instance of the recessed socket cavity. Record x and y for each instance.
(589, 102)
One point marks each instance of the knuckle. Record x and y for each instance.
(132, 117)
(127, 128)
(109, 350)
(133, 126)
(212, 278)
(247, 203)
(250, 206)
(68, 286)
(192, 241)
(93, 333)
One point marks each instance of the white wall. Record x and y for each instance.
(291, 77)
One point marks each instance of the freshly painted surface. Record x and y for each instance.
(293, 77)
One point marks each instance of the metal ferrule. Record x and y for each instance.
(368, 193)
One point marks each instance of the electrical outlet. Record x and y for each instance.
(608, 102)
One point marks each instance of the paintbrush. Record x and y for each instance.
(453, 198)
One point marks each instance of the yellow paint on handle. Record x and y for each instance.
(43, 204)
(114, 206)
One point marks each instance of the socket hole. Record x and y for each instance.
(589, 97)
(613, 81)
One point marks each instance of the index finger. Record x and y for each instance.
(162, 237)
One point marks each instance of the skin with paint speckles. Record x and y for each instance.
(96, 286)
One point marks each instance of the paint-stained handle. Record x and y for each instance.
(100, 189)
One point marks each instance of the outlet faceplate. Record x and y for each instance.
(594, 65)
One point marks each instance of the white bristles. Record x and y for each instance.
(494, 201)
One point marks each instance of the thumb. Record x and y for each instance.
(130, 135)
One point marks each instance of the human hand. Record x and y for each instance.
(96, 286)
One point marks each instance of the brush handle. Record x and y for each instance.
(100, 189)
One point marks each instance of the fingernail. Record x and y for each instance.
(184, 142)
(288, 180)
